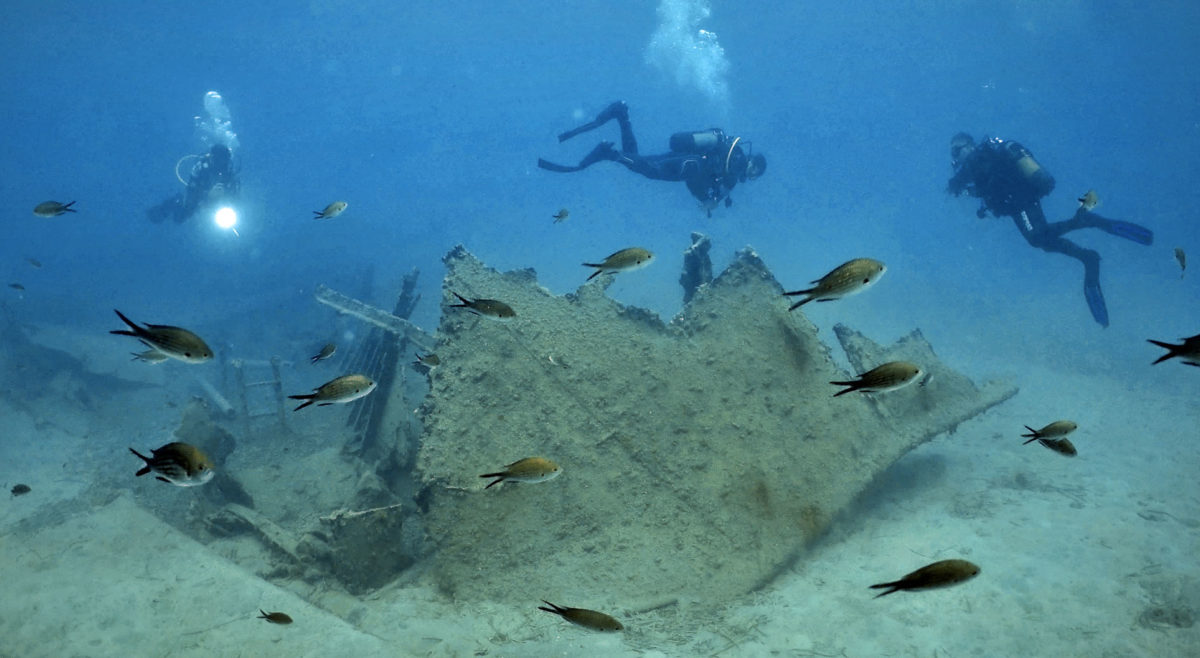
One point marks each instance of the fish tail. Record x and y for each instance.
(895, 587)
(499, 478)
(466, 303)
(558, 610)
(1032, 432)
(1167, 346)
(316, 358)
(67, 207)
(137, 331)
(845, 390)
(594, 274)
(145, 469)
(309, 399)
(1036, 438)
(798, 292)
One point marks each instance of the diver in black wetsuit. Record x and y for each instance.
(1009, 182)
(212, 179)
(709, 162)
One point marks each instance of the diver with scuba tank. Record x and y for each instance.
(710, 162)
(1009, 182)
(212, 177)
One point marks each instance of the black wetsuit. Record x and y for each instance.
(212, 178)
(707, 164)
(998, 173)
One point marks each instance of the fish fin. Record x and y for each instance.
(308, 400)
(594, 274)
(159, 477)
(499, 478)
(137, 331)
(323, 404)
(558, 610)
(142, 457)
(466, 303)
(1167, 346)
(1032, 432)
(844, 391)
(895, 587)
(798, 292)
(1036, 438)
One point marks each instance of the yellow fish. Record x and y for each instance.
(1055, 430)
(887, 377)
(175, 342)
(597, 621)
(846, 279)
(938, 574)
(341, 390)
(1089, 201)
(561, 215)
(180, 464)
(332, 210)
(530, 469)
(624, 260)
(52, 208)
(488, 308)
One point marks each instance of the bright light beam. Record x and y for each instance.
(227, 218)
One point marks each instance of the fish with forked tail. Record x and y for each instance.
(180, 464)
(1188, 351)
(938, 574)
(597, 621)
(530, 469)
(887, 377)
(489, 308)
(341, 390)
(1055, 430)
(846, 279)
(175, 342)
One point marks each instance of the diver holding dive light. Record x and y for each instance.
(709, 162)
(1010, 182)
(212, 178)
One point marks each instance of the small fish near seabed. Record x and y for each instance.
(1055, 430)
(530, 470)
(846, 279)
(1089, 200)
(597, 621)
(152, 357)
(938, 574)
(175, 342)
(561, 215)
(274, 617)
(1181, 258)
(20, 490)
(346, 388)
(1188, 351)
(887, 377)
(180, 464)
(52, 208)
(1061, 446)
(427, 361)
(332, 210)
(326, 352)
(488, 308)
(625, 260)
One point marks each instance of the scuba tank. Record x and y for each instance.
(697, 142)
(1031, 170)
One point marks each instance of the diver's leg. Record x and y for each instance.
(617, 110)
(1046, 240)
(1087, 219)
(603, 151)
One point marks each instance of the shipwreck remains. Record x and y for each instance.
(700, 457)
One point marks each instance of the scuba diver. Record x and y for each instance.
(212, 178)
(1010, 182)
(709, 162)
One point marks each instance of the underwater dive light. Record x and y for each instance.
(226, 218)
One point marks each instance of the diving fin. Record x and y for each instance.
(1139, 234)
(1095, 300)
(550, 166)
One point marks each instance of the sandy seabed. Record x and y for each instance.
(1085, 556)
